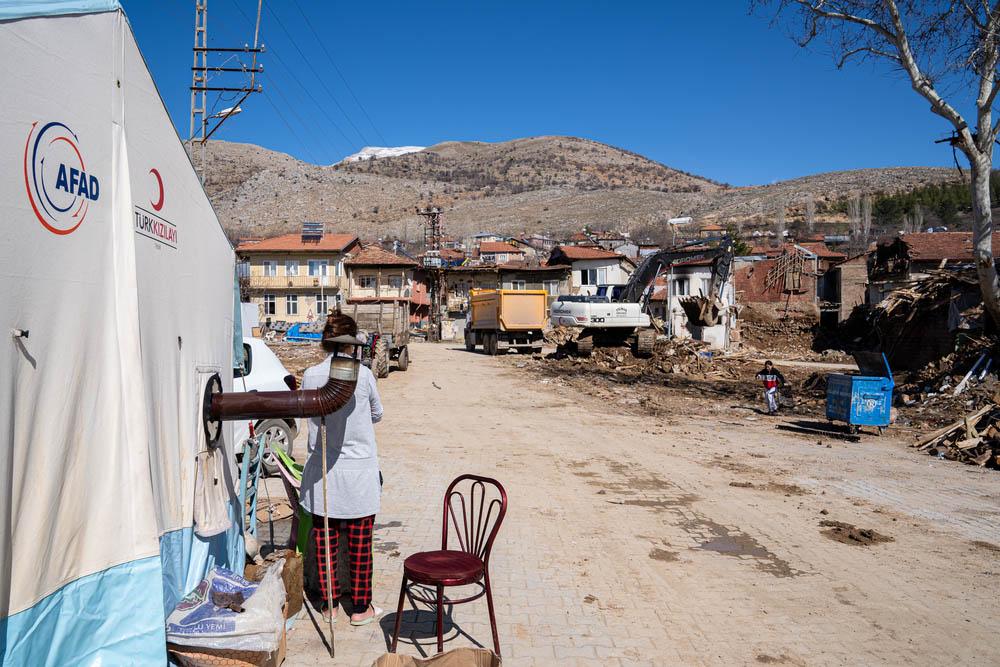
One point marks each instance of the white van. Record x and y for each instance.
(263, 371)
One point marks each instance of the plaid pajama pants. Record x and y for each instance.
(359, 549)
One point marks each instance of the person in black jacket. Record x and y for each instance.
(772, 379)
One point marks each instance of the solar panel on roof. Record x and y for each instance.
(312, 231)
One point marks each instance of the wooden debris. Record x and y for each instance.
(974, 439)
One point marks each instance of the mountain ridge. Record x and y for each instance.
(551, 184)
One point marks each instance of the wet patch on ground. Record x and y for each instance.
(782, 659)
(847, 533)
(391, 524)
(663, 555)
(646, 490)
(391, 548)
(777, 487)
(987, 546)
(734, 542)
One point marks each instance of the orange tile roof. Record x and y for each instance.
(294, 243)
(372, 255)
(822, 251)
(933, 247)
(497, 246)
(577, 252)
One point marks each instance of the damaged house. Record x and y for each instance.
(926, 296)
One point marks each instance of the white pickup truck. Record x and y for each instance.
(603, 322)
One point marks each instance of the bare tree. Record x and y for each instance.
(945, 48)
(854, 215)
(866, 217)
(914, 221)
(810, 213)
(779, 219)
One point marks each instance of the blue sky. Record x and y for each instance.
(699, 86)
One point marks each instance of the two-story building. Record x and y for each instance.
(499, 252)
(374, 274)
(294, 277)
(592, 266)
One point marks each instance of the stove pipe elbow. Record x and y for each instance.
(222, 406)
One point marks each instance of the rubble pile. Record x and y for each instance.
(785, 338)
(957, 383)
(297, 357)
(974, 439)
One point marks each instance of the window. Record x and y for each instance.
(602, 277)
(366, 282)
(517, 284)
(681, 287)
(551, 286)
(396, 282)
(292, 267)
(322, 306)
(292, 304)
(270, 268)
(317, 267)
(269, 304)
(588, 276)
(243, 269)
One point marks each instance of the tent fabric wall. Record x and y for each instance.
(115, 264)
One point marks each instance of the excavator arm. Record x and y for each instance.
(654, 264)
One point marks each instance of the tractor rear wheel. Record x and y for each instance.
(403, 360)
(380, 358)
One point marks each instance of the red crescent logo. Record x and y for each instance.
(158, 204)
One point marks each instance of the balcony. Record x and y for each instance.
(296, 282)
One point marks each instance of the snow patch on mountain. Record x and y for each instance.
(369, 152)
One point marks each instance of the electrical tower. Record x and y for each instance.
(200, 116)
(434, 267)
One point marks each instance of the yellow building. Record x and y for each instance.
(295, 277)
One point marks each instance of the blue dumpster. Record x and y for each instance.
(864, 399)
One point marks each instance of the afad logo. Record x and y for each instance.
(59, 188)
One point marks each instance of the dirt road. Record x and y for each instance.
(682, 540)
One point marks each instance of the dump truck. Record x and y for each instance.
(387, 327)
(503, 319)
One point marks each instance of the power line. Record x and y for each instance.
(289, 125)
(339, 73)
(308, 63)
(322, 109)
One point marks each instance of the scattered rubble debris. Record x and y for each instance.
(974, 439)
(848, 533)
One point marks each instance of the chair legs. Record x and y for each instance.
(440, 618)
(399, 615)
(493, 617)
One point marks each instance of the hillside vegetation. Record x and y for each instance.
(545, 184)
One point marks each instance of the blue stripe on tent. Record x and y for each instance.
(113, 617)
(15, 9)
(186, 558)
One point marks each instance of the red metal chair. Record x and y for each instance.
(475, 531)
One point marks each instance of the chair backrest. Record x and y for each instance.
(475, 506)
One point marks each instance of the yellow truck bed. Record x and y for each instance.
(508, 310)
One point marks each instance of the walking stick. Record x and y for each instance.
(326, 522)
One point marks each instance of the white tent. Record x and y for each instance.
(116, 304)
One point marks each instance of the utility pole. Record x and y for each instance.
(200, 69)
(433, 265)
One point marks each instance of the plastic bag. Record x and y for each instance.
(211, 497)
(199, 623)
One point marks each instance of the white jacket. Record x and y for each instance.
(353, 486)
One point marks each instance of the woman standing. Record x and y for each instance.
(354, 487)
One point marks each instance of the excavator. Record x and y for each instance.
(618, 314)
